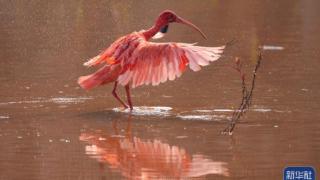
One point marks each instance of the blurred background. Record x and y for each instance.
(52, 129)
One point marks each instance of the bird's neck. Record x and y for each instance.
(151, 32)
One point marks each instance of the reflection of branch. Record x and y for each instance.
(246, 95)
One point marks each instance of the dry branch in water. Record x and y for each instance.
(246, 94)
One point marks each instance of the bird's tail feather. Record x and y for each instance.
(102, 76)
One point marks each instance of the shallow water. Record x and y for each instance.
(52, 129)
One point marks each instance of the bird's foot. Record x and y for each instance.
(123, 108)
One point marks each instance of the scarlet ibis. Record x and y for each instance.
(133, 60)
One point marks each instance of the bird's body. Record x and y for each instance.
(133, 60)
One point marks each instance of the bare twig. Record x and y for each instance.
(246, 95)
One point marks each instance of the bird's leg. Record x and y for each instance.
(114, 93)
(128, 96)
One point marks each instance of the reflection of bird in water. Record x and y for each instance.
(145, 159)
(133, 60)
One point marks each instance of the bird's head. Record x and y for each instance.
(168, 16)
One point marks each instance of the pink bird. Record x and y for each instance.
(133, 60)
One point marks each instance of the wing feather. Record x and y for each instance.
(164, 76)
(155, 63)
(192, 62)
(176, 61)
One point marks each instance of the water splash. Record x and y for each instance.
(272, 48)
(204, 117)
(232, 110)
(147, 110)
(4, 117)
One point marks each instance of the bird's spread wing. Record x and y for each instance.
(152, 63)
(116, 51)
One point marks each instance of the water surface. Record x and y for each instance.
(52, 129)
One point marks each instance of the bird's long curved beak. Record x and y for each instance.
(183, 21)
